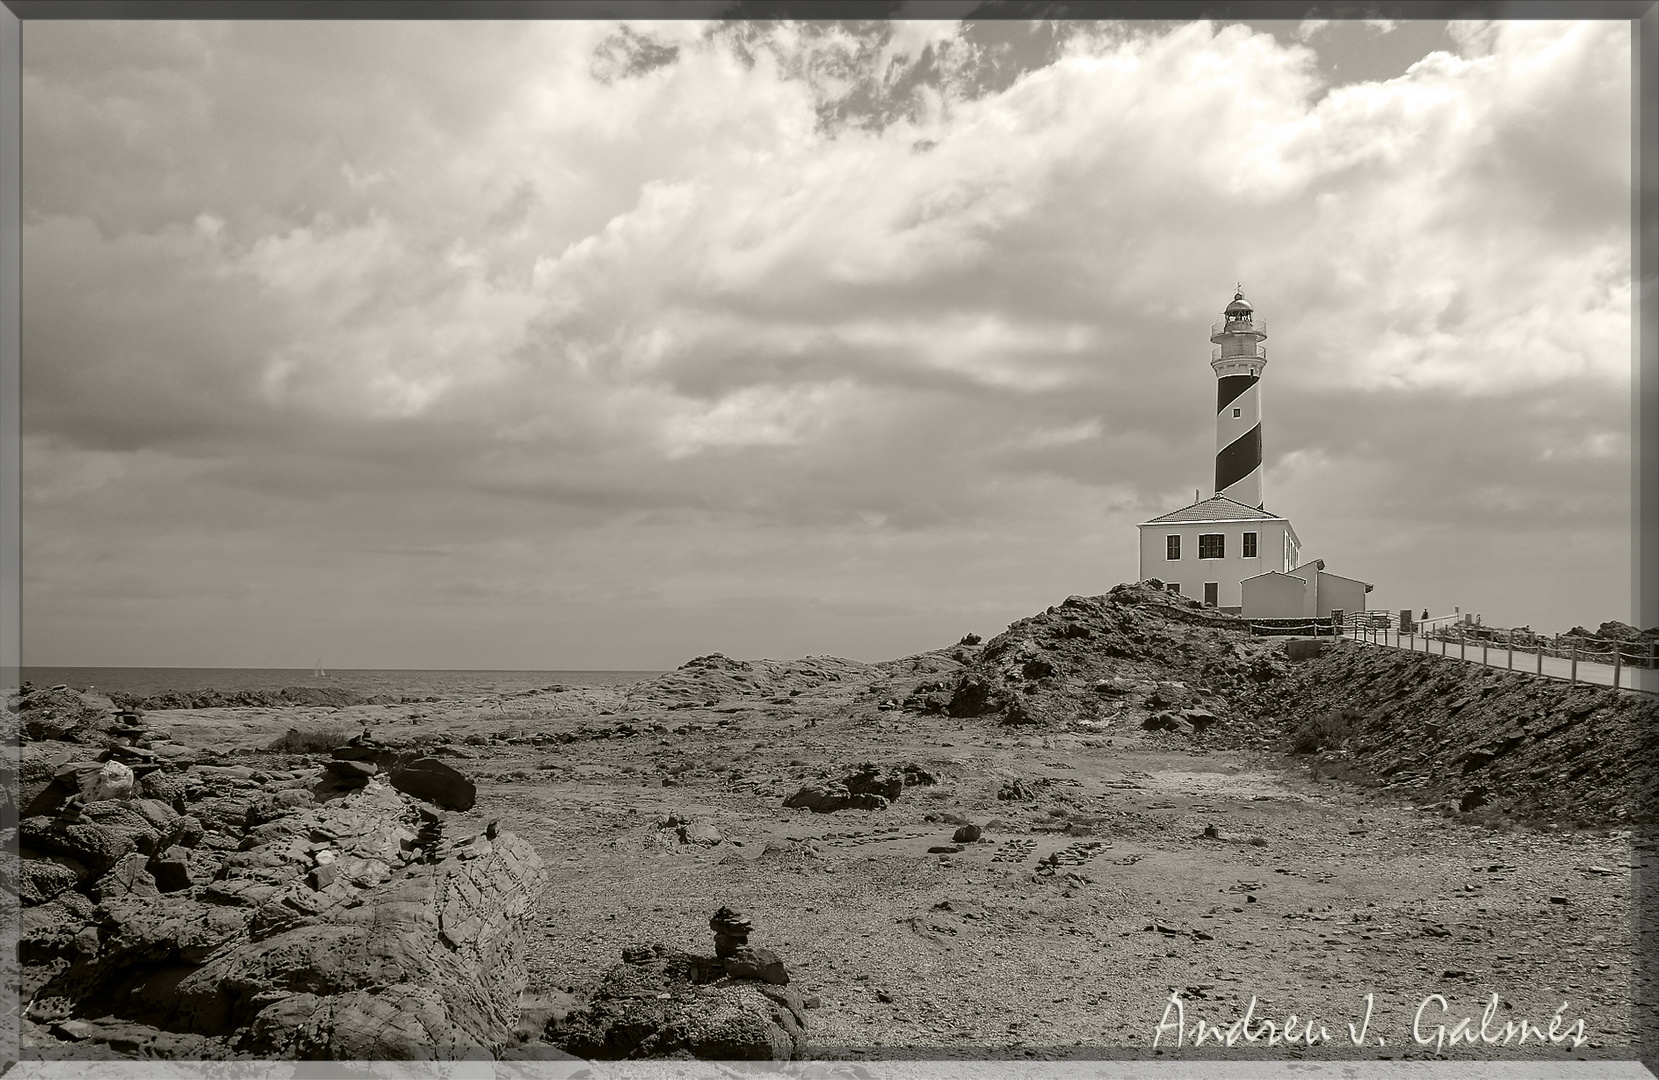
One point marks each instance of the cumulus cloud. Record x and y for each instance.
(753, 283)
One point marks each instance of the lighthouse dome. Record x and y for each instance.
(1239, 306)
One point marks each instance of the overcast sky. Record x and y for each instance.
(579, 345)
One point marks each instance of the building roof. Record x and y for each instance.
(1301, 581)
(1215, 508)
(1356, 581)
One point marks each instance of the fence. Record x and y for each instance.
(1316, 627)
(1571, 657)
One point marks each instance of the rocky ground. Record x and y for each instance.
(1021, 847)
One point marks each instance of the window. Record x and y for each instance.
(1212, 546)
(1172, 586)
(1212, 593)
(1237, 412)
(1172, 547)
(1249, 545)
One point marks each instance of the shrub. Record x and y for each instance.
(316, 741)
(1325, 732)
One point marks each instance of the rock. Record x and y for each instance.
(945, 849)
(1211, 832)
(44, 879)
(916, 776)
(1298, 649)
(974, 696)
(97, 845)
(78, 774)
(1169, 695)
(665, 1008)
(1016, 791)
(431, 779)
(731, 932)
(819, 798)
(431, 958)
(870, 779)
(1037, 667)
(1199, 719)
(127, 877)
(171, 869)
(700, 832)
(112, 780)
(1166, 721)
(967, 834)
(269, 959)
(748, 962)
(349, 768)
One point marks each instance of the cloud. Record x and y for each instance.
(1308, 29)
(754, 282)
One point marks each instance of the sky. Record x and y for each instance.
(566, 345)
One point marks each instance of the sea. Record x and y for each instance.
(144, 681)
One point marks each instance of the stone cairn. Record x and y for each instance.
(353, 764)
(731, 931)
(126, 760)
(132, 747)
(738, 958)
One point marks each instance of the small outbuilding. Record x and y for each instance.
(1308, 591)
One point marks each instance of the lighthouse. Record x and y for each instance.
(1238, 359)
(1228, 550)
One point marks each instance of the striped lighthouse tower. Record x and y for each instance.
(1238, 359)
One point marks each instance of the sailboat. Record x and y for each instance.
(319, 673)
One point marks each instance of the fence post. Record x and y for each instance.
(1462, 646)
(1575, 664)
(1618, 655)
(1483, 652)
(1538, 646)
(1511, 662)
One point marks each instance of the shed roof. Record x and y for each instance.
(1325, 573)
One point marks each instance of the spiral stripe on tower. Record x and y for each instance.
(1238, 360)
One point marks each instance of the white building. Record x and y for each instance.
(1208, 549)
(1228, 550)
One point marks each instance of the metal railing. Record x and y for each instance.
(1574, 658)
(1239, 326)
(1305, 625)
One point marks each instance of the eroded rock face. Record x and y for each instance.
(328, 939)
(269, 913)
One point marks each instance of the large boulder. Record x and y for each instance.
(430, 779)
(871, 779)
